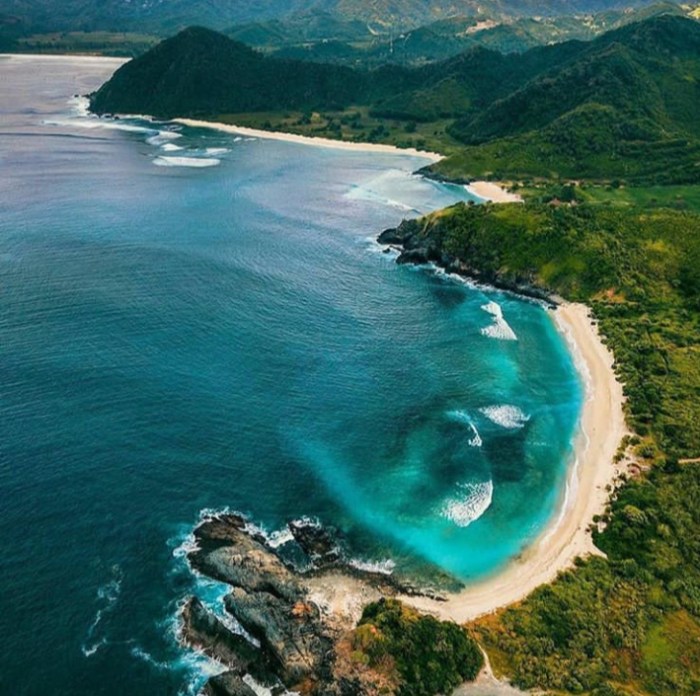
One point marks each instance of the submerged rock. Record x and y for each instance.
(319, 543)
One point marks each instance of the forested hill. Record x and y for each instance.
(166, 16)
(622, 105)
(200, 71)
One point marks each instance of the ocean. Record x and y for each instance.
(195, 321)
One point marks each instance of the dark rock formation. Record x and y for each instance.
(270, 603)
(228, 553)
(289, 640)
(290, 632)
(319, 543)
(227, 684)
(200, 628)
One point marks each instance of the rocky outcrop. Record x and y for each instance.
(268, 600)
(227, 684)
(273, 628)
(200, 628)
(319, 543)
(420, 243)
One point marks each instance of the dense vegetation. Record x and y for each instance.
(420, 654)
(622, 106)
(631, 622)
(167, 16)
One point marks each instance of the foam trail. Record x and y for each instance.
(197, 162)
(144, 655)
(506, 415)
(472, 502)
(90, 123)
(107, 596)
(216, 151)
(500, 328)
(463, 417)
(171, 147)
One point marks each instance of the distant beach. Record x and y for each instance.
(493, 191)
(307, 140)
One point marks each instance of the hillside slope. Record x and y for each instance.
(621, 106)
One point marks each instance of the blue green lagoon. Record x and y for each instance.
(191, 321)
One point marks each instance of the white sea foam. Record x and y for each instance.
(385, 567)
(163, 137)
(260, 690)
(216, 151)
(472, 501)
(107, 596)
(144, 655)
(499, 328)
(506, 415)
(379, 190)
(463, 417)
(80, 105)
(171, 147)
(94, 123)
(199, 162)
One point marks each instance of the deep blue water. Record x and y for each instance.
(176, 338)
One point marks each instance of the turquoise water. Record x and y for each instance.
(178, 337)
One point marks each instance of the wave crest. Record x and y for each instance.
(198, 162)
(499, 328)
(472, 502)
(506, 415)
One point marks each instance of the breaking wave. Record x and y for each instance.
(473, 500)
(163, 138)
(506, 415)
(499, 328)
(163, 161)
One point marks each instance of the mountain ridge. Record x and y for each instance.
(620, 106)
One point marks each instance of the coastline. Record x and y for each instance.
(493, 192)
(602, 427)
(308, 140)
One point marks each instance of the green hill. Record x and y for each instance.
(200, 72)
(622, 106)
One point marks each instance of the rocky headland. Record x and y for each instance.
(284, 628)
(422, 241)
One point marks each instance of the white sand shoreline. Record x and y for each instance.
(602, 427)
(493, 192)
(308, 140)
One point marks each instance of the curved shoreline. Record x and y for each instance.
(307, 139)
(602, 427)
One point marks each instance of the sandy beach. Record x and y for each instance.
(601, 429)
(493, 192)
(307, 140)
